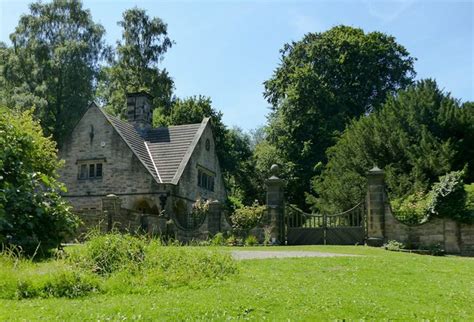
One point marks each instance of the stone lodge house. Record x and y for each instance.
(148, 169)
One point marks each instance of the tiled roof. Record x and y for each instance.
(164, 151)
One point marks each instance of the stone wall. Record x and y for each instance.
(188, 188)
(123, 174)
(113, 216)
(382, 225)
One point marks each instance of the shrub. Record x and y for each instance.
(32, 213)
(436, 250)
(247, 217)
(251, 240)
(108, 253)
(200, 208)
(231, 241)
(218, 240)
(448, 198)
(394, 245)
(412, 209)
(267, 234)
(469, 188)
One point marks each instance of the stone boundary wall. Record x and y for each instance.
(452, 236)
(113, 216)
(382, 226)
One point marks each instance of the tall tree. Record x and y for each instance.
(322, 82)
(53, 63)
(416, 137)
(135, 66)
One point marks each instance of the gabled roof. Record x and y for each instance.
(164, 151)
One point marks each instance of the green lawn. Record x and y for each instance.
(377, 285)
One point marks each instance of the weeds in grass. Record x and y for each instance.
(218, 240)
(251, 240)
(112, 263)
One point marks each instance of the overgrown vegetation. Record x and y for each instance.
(247, 217)
(112, 264)
(448, 198)
(33, 215)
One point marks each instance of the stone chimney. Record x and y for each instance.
(139, 109)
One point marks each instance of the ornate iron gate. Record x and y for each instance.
(346, 228)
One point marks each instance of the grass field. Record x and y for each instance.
(377, 285)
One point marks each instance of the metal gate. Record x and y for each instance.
(346, 228)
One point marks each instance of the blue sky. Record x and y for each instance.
(226, 49)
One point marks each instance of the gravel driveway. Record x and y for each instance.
(249, 254)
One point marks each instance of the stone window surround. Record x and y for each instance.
(206, 178)
(85, 166)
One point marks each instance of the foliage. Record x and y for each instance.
(394, 245)
(436, 250)
(109, 253)
(251, 240)
(267, 235)
(447, 197)
(412, 209)
(200, 208)
(113, 264)
(218, 240)
(135, 66)
(469, 188)
(232, 240)
(53, 64)
(248, 217)
(418, 136)
(322, 82)
(32, 213)
(265, 155)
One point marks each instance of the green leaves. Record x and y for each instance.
(325, 80)
(136, 65)
(53, 64)
(417, 136)
(32, 211)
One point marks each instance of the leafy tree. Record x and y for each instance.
(322, 82)
(53, 63)
(32, 213)
(417, 136)
(135, 66)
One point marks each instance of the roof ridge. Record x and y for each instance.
(152, 161)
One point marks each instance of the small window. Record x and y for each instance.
(98, 170)
(83, 171)
(208, 145)
(206, 179)
(211, 183)
(91, 170)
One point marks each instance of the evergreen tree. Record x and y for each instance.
(417, 136)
